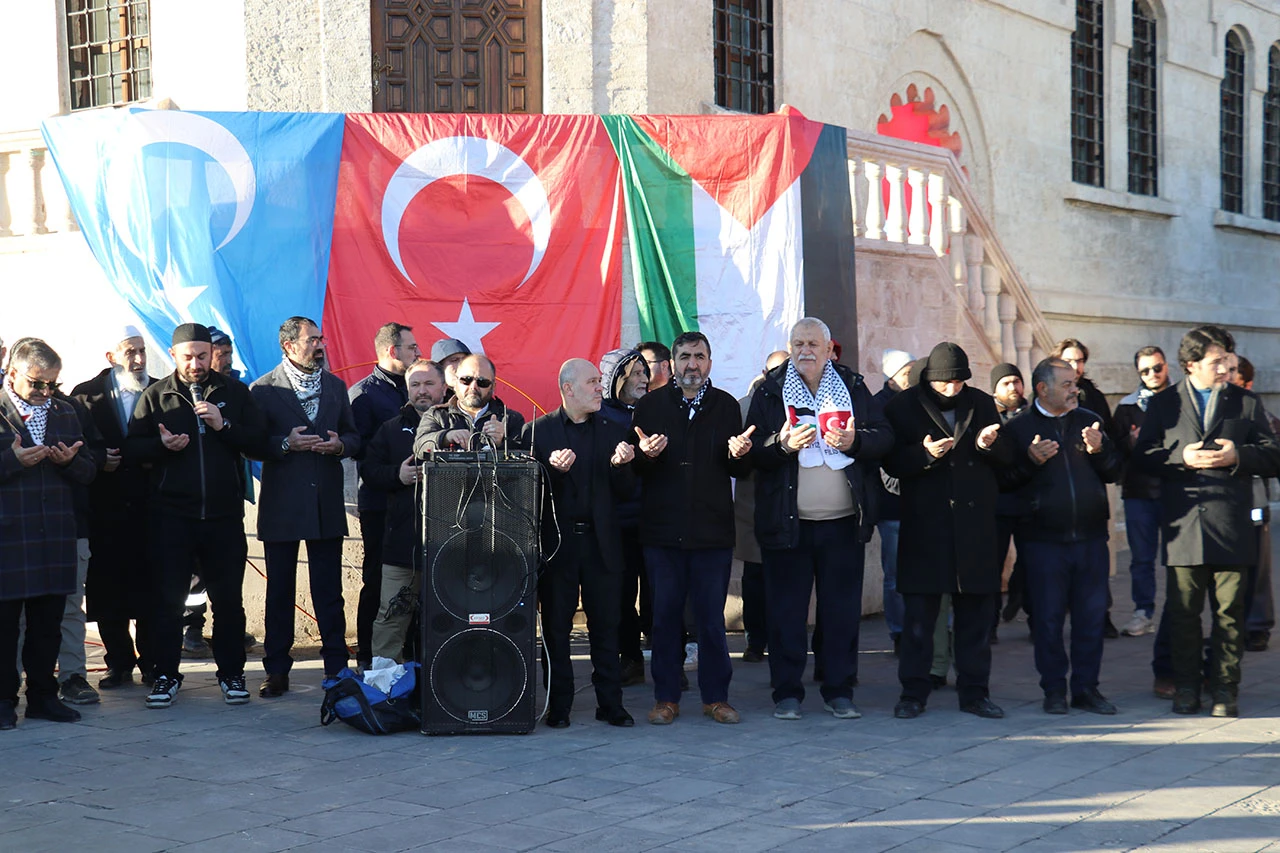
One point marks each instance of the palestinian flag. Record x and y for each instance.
(738, 226)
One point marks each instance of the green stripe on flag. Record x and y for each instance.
(659, 202)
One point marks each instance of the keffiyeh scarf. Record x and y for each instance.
(306, 386)
(830, 407)
(36, 417)
(696, 403)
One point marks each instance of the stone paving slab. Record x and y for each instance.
(267, 777)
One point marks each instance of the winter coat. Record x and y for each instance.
(447, 416)
(375, 400)
(947, 542)
(1137, 483)
(390, 446)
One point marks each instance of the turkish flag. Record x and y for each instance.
(502, 231)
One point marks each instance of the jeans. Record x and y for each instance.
(889, 564)
(1068, 577)
(1142, 526)
(830, 556)
(700, 575)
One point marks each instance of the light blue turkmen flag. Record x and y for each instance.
(217, 218)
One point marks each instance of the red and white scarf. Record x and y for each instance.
(830, 407)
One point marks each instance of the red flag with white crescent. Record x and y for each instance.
(502, 231)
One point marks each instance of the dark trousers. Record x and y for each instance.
(118, 645)
(1064, 577)
(324, 564)
(39, 646)
(219, 546)
(373, 525)
(700, 575)
(829, 555)
(971, 629)
(1187, 587)
(1006, 533)
(1142, 528)
(635, 587)
(579, 566)
(755, 618)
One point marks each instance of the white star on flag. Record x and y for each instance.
(179, 295)
(467, 329)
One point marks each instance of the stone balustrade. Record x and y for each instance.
(915, 195)
(30, 188)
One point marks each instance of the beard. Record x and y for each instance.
(127, 380)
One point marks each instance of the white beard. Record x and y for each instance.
(127, 380)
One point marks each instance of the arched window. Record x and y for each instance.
(1143, 105)
(1231, 123)
(1087, 149)
(1271, 139)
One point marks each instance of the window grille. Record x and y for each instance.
(1087, 149)
(108, 52)
(1143, 106)
(744, 55)
(1271, 140)
(1231, 124)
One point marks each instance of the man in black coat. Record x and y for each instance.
(375, 400)
(309, 430)
(41, 465)
(1206, 439)
(389, 468)
(116, 587)
(896, 367)
(691, 444)
(818, 433)
(587, 461)
(1063, 462)
(474, 418)
(947, 451)
(192, 427)
(1007, 390)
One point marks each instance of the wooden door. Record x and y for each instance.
(457, 56)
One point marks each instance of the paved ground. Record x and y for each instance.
(204, 776)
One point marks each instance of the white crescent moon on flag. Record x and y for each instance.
(465, 155)
(146, 127)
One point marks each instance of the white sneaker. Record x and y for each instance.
(1137, 626)
(233, 690)
(690, 656)
(162, 692)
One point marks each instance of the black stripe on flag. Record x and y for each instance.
(830, 291)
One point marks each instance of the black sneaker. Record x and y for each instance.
(116, 678)
(1224, 704)
(77, 691)
(632, 672)
(233, 689)
(984, 708)
(1186, 700)
(1055, 703)
(163, 689)
(50, 708)
(1257, 641)
(908, 709)
(196, 647)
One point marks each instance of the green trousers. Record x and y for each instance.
(1187, 587)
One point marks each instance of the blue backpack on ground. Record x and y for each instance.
(348, 698)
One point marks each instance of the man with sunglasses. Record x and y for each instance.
(40, 467)
(1141, 491)
(474, 419)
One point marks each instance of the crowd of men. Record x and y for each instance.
(114, 496)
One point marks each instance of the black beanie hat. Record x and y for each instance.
(946, 363)
(188, 332)
(1003, 369)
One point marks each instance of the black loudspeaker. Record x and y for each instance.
(479, 587)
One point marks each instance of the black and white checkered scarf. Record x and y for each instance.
(306, 386)
(36, 417)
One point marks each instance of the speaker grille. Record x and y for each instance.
(479, 676)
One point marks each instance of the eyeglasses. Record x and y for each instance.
(40, 385)
(314, 339)
(1159, 368)
(479, 381)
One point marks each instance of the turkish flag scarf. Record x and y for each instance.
(502, 231)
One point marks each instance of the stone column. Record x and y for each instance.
(1022, 340)
(916, 233)
(1008, 311)
(38, 213)
(857, 192)
(938, 213)
(6, 219)
(973, 251)
(895, 217)
(873, 223)
(991, 306)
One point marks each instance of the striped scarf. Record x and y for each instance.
(36, 417)
(306, 386)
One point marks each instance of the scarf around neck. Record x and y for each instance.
(831, 406)
(36, 417)
(306, 386)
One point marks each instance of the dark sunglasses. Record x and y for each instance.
(1159, 368)
(480, 381)
(40, 384)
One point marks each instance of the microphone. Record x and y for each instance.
(197, 396)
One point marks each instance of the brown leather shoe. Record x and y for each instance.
(273, 686)
(1163, 688)
(721, 712)
(664, 713)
